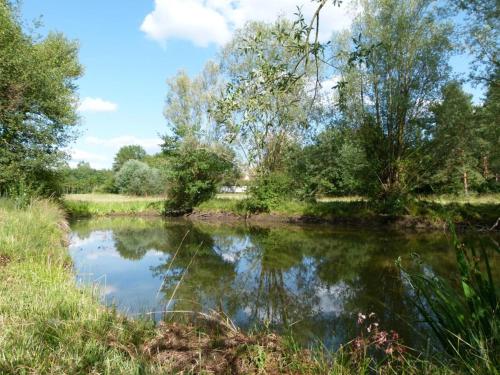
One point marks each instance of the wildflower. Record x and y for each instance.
(380, 338)
(361, 318)
(394, 335)
(358, 343)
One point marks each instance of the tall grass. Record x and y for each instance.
(465, 319)
(47, 324)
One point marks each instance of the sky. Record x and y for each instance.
(129, 48)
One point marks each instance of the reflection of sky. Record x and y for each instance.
(317, 287)
(125, 283)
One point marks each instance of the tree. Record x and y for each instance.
(197, 162)
(189, 106)
(194, 176)
(488, 117)
(260, 112)
(137, 178)
(84, 179)
(480, 32)
(385, 93)
(334, 164)
(126, 153)
(455, 141)
(37, 104)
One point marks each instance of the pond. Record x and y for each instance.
(309, 281)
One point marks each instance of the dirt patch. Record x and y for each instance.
(375, 221)
(4, 260)
(215, 349)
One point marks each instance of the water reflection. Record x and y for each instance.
(312, 281)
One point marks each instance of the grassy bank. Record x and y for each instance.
(47, 324)
(422, 212)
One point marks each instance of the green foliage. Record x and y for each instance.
(37, 104)
(194, 175)
(260, 111)
(385, 90)
(464, 319)
(455, 142)
(137, 178)
(266, 192)
(85, 179)
(126, 153)
(334, 164)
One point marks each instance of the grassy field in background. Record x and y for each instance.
(86, 205)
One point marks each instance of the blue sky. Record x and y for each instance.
(130, 47)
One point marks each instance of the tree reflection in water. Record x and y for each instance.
(312, 281)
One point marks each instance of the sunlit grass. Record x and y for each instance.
(110, 198)
(473, 199)
(47, 324)
(84, 205)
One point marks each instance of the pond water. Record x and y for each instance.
(310, 281)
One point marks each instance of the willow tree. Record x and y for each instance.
(37, 104)
(266, 106)
(391, 66)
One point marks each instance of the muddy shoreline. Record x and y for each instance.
(394, 222)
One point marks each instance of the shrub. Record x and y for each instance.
(194, 176)
(266, 192)
(137, 178)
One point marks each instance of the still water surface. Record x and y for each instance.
(310, 281)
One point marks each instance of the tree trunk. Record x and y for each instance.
(466, 183)
(486, 170)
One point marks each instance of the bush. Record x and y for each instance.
(267, 192)
(137, 178)
(194, 176)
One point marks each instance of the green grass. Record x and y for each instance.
(86, 205)
(429, 211)
(464, 319)
(47, 324)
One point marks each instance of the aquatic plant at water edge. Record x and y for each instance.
(464, 318)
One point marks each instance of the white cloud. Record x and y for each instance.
(150, 144)
(97, 105)
(212, 21)
(81, 155)
(186, 19)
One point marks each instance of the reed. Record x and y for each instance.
(465, 317)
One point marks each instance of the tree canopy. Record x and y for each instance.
(37, 103)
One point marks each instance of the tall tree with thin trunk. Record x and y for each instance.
(403, 50)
